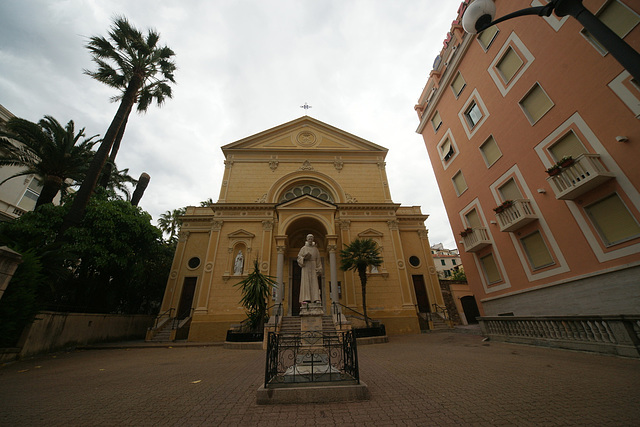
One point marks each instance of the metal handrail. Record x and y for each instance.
(336, 312)
(177, 320)
(278, 313)
(441, 309)
(160, 316)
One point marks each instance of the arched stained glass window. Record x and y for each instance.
(310, 189)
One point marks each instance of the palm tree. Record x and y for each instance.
(53, 153)
(170, 221)
(358, 256)
(141, 71)
(256, 289)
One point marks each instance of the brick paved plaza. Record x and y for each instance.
(431, 379)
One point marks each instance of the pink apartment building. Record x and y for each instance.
(533, 132)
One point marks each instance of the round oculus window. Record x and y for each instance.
(194, 262)
(414, 261)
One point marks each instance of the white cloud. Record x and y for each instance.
(243, 66)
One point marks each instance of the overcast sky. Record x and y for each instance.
(244, 66)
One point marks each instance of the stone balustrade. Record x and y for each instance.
(619, 335)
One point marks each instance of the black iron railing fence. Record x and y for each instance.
(308, 357)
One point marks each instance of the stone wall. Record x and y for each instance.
(52, 331)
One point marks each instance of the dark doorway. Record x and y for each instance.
(421, 294)
(470, 308)
(186, 298)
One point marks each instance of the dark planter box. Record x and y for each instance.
(233, 336)
(374, 331)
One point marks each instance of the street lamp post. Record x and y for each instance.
(481, 13)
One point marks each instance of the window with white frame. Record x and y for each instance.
(487, 37)
(31, 195)
(473, 114)
(458, 84)
(535, 103)
(510, 191)
(446, 150)
(490, 269)
(568, 145)
(473, 219)
(619, 17)
(509, 65)
(536, 250)
(490, 151)
(612, 219)
(459, 183)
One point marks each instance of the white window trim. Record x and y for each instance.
(526, 113)
(626, 96)
(555, 22)
(579, 215)
(475, 96)
(597, 227)
(456, 151)
(521, 50)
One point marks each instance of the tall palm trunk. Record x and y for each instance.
(108, 167)
(75, 214)
(50, 187)
(143, 182)
(362, 272)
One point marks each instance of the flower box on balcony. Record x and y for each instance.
(505, 205)
(586, 173)
(476, 240)
(518, 214)
(466, 232)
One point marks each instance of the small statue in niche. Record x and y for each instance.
(239, 264)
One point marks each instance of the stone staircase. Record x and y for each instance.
(439, 324)
(164, 334)
(291, 325)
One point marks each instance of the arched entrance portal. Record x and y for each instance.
(297, 233)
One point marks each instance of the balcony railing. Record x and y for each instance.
(519, 214)
(586, 173)
(477, 239)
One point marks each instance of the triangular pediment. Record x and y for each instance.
(306, 202)
(305, 134)
(241, 234)
(370, 233)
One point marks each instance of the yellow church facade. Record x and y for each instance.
(302, 177)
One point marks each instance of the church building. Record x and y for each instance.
(302, 177)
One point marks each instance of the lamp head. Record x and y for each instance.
(478, 16)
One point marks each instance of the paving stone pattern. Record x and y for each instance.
(438, 379)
